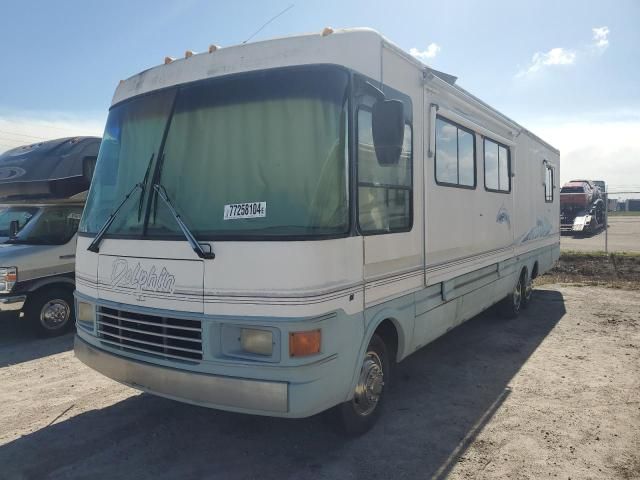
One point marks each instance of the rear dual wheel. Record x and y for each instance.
(512, 304)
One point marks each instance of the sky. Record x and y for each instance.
(567, 70)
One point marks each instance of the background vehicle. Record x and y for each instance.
(582, 207)
(272, 226)
(43, 188)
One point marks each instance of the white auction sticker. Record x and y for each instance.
(245, 210)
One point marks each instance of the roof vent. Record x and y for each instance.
(168, 60)
(213, 48)
(188, 54)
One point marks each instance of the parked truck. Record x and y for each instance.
(273, 225)
(42, 193)
(582, 207)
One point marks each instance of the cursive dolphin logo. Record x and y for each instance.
(141, 280)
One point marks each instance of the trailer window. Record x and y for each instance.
(548, 183)
(497, 167)
(384, 191)
(455, 155)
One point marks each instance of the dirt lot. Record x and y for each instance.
(554, 394)
(624, 236)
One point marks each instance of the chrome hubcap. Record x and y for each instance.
(528, 290)
(370, 385)
(517, 296)
(54, 314)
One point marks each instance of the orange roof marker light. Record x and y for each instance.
(189, 54)
(168, 60)
(302, 344)
(327, 31)
(213, 48)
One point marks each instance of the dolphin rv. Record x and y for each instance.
(272, 226)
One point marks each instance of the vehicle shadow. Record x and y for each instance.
(19, 343)
(443, 397)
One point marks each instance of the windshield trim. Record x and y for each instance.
(350, 229)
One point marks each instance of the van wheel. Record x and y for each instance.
(51, 312)
(511, 305)
(359, 414)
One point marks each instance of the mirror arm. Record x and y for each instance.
(376, 91)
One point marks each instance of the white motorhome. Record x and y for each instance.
(296, 215)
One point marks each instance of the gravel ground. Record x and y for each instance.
(554, 394)
(624, 236)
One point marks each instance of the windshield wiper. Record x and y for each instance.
(95, 245)
(144, 186)
(162, 193)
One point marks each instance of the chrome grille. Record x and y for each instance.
(168, 337)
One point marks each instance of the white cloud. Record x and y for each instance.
(555, 56)
(432, 50)
(23, 128)
(598, 147)
(601, 37)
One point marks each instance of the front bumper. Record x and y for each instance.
(238, 394)
(13, 303)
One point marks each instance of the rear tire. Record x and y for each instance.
(511, 305)
(51, 311)
(359, 414)
(527, 290)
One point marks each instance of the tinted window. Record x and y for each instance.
(455, 155)
(548, 184)
(384, 191)
(54, 226)
(497, 166)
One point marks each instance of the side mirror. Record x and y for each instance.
(14, 228)
(387, 124)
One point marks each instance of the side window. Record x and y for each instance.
(384, 191)
(497, 167)
(548, 183)
(455, 157)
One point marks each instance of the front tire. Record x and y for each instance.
(51, 312)
(359, 414)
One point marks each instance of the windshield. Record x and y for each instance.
(262, 154)
(52, 226)
(9, 214)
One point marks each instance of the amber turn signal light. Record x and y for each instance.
(302, 344)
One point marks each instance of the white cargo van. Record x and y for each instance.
(272, 226)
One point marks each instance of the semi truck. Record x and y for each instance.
(272, 226)
(42, 192)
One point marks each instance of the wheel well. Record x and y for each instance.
(63, 285)
(534, 271)
(389, 334)
(47, 286)
(523, 274)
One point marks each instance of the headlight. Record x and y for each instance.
(8, 278)
(255, 341)
(86, 313)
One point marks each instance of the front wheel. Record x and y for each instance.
(358, 415)
(51, 311)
